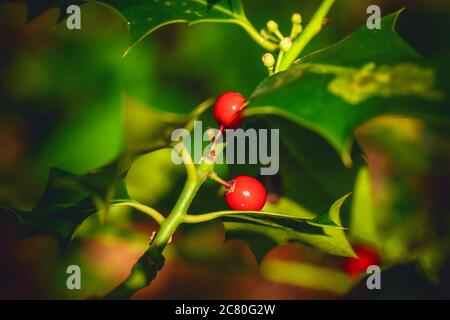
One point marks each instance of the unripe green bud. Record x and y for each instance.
(285, 44)
(296, 18)
(268, 60)
(272, 26)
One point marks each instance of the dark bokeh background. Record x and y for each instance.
(69, 99)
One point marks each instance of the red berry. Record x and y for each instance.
(227, 109)
(245, 193)
(367, 256)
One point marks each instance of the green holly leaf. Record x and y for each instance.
(363, 226)
(145, 16)
(262, 231)
(335, 241)
(67, 201)
(368, 74)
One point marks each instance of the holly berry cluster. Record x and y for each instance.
(243, 192)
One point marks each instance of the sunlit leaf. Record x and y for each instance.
(145, 16)
(263, 231)
(310, 94)
(362, 219)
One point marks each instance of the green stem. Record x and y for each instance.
(177, 214)
(269, 36)
(279, 35)
(216, 140)
(158, 217)
(279, 60)
(146, 268)
(259, 39)
(219, 180)
(189, 164)
(310, 31)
